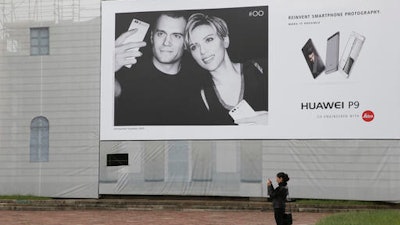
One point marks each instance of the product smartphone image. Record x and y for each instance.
(142, 28)
(313, 59)
(332, 53)
(242, 110)
(351, 52)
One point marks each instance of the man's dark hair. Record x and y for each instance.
(172, 14)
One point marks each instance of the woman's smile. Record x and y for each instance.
(208, 59)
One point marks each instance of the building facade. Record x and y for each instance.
(50, 121)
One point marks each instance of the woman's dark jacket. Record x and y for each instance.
(278, 195)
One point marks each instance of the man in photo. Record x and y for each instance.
(160, 89)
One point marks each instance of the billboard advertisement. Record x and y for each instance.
(249, 70)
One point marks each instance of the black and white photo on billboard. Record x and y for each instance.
(187, 95)
(191, 67)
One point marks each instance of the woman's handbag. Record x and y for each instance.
(287, 217)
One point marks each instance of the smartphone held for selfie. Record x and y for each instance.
(242, 110)
(142, 28)
(332, 53)
(313, 59)
(351, 52)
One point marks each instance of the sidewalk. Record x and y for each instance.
(125, 217)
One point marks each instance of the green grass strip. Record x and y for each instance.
(375, 217)
(335, 202)
(23, 197)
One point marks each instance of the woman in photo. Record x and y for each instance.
(207, 38)
(278, 196)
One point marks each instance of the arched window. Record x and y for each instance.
(39, 143)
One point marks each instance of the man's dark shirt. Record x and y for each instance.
(151, 97)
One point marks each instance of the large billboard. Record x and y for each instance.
(258, 69)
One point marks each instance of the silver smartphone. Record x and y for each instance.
(332, 53)
(242, 110)
(351, 52)
(142, 28)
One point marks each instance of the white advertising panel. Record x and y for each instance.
(304, 69)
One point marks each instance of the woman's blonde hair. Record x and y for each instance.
(198, 19)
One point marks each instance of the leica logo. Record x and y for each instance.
(368, 116)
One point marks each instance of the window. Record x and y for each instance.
(251, 161)
(39, 142)
(117, 159)
(40, 41)
(178, 160)
(154, 161)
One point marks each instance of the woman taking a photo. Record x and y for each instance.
(278, 196)
(207, 38)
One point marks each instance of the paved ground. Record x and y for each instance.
(149, 217)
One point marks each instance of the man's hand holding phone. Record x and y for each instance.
(127, 44)
(126, 53)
